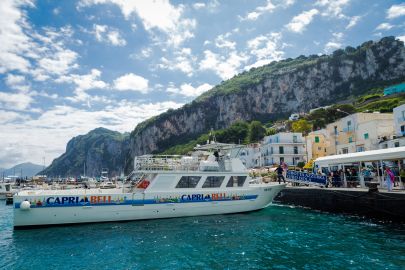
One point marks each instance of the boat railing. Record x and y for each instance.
(176, 163)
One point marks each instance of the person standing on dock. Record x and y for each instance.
(280, 175)
(389, 178)
(402, 177)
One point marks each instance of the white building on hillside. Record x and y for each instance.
(398, 139)
(283, 147)
(358, 132)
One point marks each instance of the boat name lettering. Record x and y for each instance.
(77, 200)
(203, 197)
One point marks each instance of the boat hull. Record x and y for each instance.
(142, 206)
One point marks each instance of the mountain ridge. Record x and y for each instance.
(274, 91)
(26, 169)
(265, 93)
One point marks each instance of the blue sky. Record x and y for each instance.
(67, 67)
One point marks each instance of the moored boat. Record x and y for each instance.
(159, 187)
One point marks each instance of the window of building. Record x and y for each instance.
(281, 160)
(281, 149)
(295, 139)
(403, 115)
(396, 144)
(345, 151)
(276, 139)
(319, 148)
(360, 149)
(366, 136)
(188, 181)
(295, 149)
(213, 181)
(350, 139)
(236, 181)
(403, 128)
(335, 129)
(316, 139)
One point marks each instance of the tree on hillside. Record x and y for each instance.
(256, 131)
(302, 126)
(270, 131)
(236, 133)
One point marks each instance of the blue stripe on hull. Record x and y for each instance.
(140, 202)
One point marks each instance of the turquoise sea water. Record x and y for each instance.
(279, 237)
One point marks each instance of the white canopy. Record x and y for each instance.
(374, 155)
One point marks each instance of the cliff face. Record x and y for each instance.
(275, 90)
(100, 148)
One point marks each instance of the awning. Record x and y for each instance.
(366, 156)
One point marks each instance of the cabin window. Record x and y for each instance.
(236, 181)
(396, 144)
(213, 181)
(188, 181)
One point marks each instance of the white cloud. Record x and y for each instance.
(183, 60)
(333, 8)
(266, 49)
(24, 139)
(168, 20)
(86, 82)
(188, 90)
(14, 79)
(59, 62)
(14, 42)
(10, 116)
(402, 38)
(225, 66)
(335, 43)
(299, 22)
(12, 101)
(384, 26)
(269, 7)
(131, 82)
(144, 53)
(222, 41)
(17, 82)
(105, 34)
(83, 83)
(353, 21)
(198, 5)
(27, 51)
(396, 11)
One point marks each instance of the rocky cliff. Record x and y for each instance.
(98, 149)
(274, 91)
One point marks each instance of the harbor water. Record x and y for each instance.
(278, 237)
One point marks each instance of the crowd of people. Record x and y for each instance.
(391, 177)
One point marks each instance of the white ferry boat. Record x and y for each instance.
(159, 187)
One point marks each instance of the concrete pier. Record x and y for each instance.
(381, 205)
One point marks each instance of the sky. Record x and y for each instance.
(67, 67)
